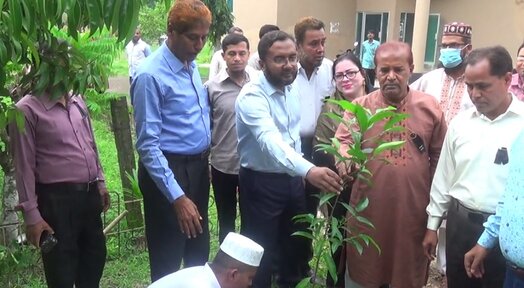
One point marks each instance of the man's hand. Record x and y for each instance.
(344, 169)
(474, 261)
(33, 232)
(429, 244)
(105, 198)
(324, 179)
(188, 216)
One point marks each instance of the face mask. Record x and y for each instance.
(450, 57)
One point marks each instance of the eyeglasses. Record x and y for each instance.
(453, 45)
(281, 60)
(350, 74)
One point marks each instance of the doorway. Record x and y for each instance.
(377, 21)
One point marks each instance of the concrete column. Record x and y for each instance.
(420, 31)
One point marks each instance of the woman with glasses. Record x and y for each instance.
(350, 81)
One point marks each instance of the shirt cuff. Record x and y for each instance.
(434, 223)
(32, 216)
(304, 168)
(487, 241)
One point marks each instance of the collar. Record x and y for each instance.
(516, 80)
(315, 71)
(174, 63)
(49, 103)
(223, 76)
(212, 276)
(269, 89)
(396, 105)
(515, 107)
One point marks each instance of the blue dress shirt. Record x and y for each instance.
(171, 115)
(268, 127)
(507, 225)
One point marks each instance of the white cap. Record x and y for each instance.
(242, 249)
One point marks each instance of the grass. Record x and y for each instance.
(120, 67)
(127, 264)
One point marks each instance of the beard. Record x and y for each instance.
(280, 80)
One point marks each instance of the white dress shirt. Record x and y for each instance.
(136, 53)
(199, 276)
(217, 65)
(466, 169)
(268, 123)
(312, 92)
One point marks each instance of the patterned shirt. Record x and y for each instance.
(517, 86)
(507, 225)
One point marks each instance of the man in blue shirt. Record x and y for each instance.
(272, 172)
(505, 227)
(173, 138)
(367, 56)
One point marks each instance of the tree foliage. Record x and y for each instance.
(28, 37)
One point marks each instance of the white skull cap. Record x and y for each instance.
(242, 249)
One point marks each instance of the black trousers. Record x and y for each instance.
(225, 191)
(463, 229)
(268, 201)
(371, 76)
(73, 211)
(167, 245)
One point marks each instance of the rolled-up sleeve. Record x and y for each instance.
(23, 148)
(255, 113)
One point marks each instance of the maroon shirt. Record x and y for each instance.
(57, 145)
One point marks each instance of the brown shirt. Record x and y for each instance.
(57, 145)
(399, 194)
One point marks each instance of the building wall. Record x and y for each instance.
(493, 22)
(250, 15)
(338, 18)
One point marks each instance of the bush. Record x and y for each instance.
(153, 22)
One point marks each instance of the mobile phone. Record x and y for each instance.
(47, 241)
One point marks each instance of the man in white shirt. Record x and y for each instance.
(254, 59)
(447, 85)
(136, 51)
(472, 169)
(234, 266)
(314, 83)
(218, 64)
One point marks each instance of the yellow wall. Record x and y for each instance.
(338, 18)
(493, 22)
(250, 15)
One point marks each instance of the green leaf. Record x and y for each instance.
(326, 197)
(362, 118)
(304, 234)
(16, 18)
(349, 208)
(364, 221)
(331, 267)
(363, 204)
(334, 116)
(304, 283)
(387, 146)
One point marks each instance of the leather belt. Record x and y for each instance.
(67, 186)
(519, 272)
(474, 216)
(182, 157)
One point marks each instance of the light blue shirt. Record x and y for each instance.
(268, 127)
(507, 225)
(368, 54)
(171, 115)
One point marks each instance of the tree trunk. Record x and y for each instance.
(9, 217)
(9, 220)
(126, 158)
